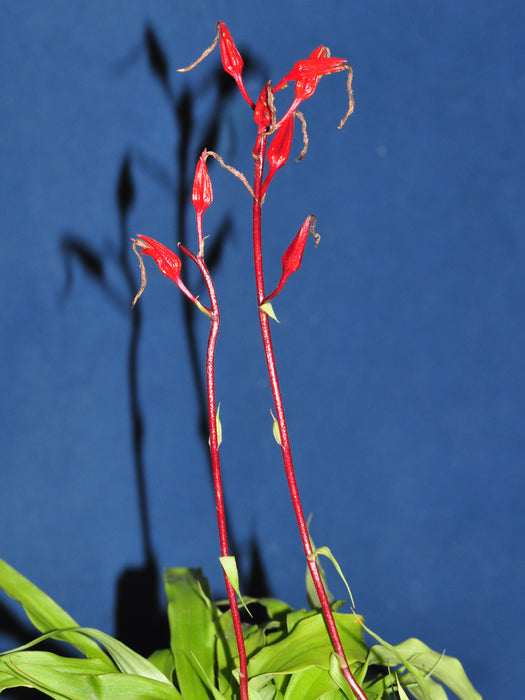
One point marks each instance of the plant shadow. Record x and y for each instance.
(140, 617)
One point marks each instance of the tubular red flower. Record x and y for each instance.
(305, 87)
(169, 263)
(307, 74)
(201, 195)
(293, 257)
(313, 67)
(232, 60)
(202, 192)
(279, 149)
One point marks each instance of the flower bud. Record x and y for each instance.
(293, 257)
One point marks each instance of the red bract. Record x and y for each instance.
(279, 149)
(232, 60)
(293, 257)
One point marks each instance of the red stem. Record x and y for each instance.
(216, 462)
(259, 153)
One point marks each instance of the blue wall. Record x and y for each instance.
(401, 341)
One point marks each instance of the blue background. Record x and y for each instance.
(401, 341)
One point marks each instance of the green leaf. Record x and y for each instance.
(45, 614)
(308, 645)
(81, 679)
(276, 609)
(127, 660)
(445, 669)
(268, 310)
(192, 631)
(163, 660)
(309, 684)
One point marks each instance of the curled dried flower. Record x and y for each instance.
(203, 55)
(231, 170)
(350, 96)
(301, 118)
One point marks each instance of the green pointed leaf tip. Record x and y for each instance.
(326, 552)
(276, 430)
(230, 569)
(268, 310)
(219, 428)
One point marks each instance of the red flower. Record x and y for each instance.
(305, 87)
(232, 60)
(307, 74)
(202, 193)
(279, 149)
(313, 67)
(169, 264)
(293, 257)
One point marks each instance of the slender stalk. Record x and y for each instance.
(215, 460)
(259, 156)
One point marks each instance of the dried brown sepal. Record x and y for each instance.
(301, 118)
(205, 53)
(232, 170)
(143, 278)
(350, 96)
(316, 236)
(271, 105)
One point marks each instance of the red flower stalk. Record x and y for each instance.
(293, 257)
(201, 195)
(279, 149)
(168, 263)
(232, 60)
